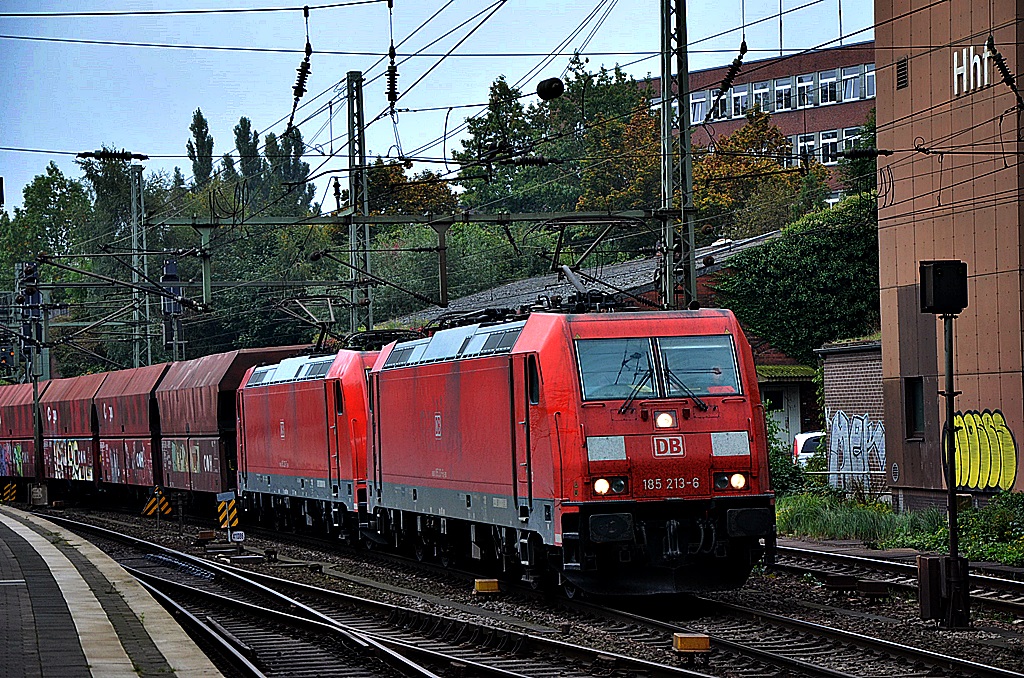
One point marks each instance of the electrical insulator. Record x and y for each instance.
(303, 70)
(549, 89)
(392, 78)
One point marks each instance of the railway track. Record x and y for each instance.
(998, 593)
(748, 642)
(281, 627)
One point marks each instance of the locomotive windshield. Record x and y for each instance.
(691, 366)
(615, 368)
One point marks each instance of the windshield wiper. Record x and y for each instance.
(701, 405)
(636, 390)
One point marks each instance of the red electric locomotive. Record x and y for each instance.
(625, 452)
(302, 443)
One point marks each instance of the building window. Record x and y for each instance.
(830, 147)
(850, 136)
(805, 147)
(721, 107)
(804, 91)
(762, 97)
(791, 160)
(740, 100)
(851, 83)
(828, 87)
(783, 95)
(869, 81)
(913, 401)
(698, 106)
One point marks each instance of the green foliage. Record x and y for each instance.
(859, 175)
(200, 149)
(816, 283)
(786, 477)
(993, 533)
(742, 188)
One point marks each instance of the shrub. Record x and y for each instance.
(994, 532)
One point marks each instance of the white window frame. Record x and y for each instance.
(805, 144)
(721, 111)
(828, 88)
(792, 160)
(805, 90)
(830, 147)
(851, 84)
(850, 136)
(869, 81)
(784, 88)
(833, 198)
(762, 96)
(740, 96)
(698, 106)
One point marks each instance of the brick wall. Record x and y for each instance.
(855, 416)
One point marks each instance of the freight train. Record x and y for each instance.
(619, 453)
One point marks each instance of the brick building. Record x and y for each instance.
(855, 414)
(819, 99)
(951, 190)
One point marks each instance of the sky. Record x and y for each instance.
(63, 98)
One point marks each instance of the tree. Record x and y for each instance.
(391, 191)
(745, 164)
(200, 149)
(859, 175)
(247, 143)
(816, 283)
(286, 190)
(54, 213)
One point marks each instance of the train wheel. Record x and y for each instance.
(420, 550)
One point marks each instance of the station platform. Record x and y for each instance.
(67, 610)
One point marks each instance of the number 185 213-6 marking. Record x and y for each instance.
(670, 483)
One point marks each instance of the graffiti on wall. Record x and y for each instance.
(856, 447)
(986, 451)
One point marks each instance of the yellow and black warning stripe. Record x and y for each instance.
(227, 514)
(157, 504)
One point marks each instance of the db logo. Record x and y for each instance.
(668, 446)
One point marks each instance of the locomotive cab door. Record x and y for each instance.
(336, 421)
(522, 392)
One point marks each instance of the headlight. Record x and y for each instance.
(601, 486)
(665, 419)
(730, 481)
(618, 485)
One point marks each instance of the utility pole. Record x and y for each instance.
(140, 268)
(361, 310)
(140, 265)
(676, 170)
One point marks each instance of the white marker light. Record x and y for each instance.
(665, 419)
